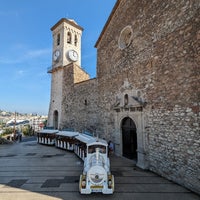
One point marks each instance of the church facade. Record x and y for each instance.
(146, 96)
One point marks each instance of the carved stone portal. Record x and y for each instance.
(130, 104)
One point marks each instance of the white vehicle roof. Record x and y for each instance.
(48, 131)
(68, 133)
(98, 141)
(85, 138)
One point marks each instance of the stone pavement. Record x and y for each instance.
(31, 171)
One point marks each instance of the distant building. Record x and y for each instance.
(37, 123)
(146, 97)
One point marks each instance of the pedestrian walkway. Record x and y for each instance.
(31, 171)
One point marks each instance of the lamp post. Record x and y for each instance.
(14, 134)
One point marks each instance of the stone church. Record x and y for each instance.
(146, 95)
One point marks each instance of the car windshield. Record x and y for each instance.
(92, 148)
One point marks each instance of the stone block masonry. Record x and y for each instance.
(162, 62)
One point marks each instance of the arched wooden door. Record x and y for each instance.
(55, 119)
(129, 138)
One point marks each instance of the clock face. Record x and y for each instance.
(73, 55)
(56, 55)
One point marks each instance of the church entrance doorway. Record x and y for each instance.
(55, 119)
(129, 138)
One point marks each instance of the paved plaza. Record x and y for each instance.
(31, 171)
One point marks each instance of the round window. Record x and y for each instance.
(125, 37)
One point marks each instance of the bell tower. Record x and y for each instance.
(66, 43)
(66, 52)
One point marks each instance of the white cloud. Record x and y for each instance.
(9, 13)
(26, 56)
(89, 55)
(38, 53)
(8, 61)
(20, 72)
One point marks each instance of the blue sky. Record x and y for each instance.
(26, 47)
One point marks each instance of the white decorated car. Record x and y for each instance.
(96, 176)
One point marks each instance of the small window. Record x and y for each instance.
(126, 99)
(125, 37)
(69, 38)
(75, 40)
(86, 103)
(58, 39)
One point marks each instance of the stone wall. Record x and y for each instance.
(162, 62)
(80, 75)
(173, 138)
(56, 96)
(80, 106)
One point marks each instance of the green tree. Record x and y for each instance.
(26, 130)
